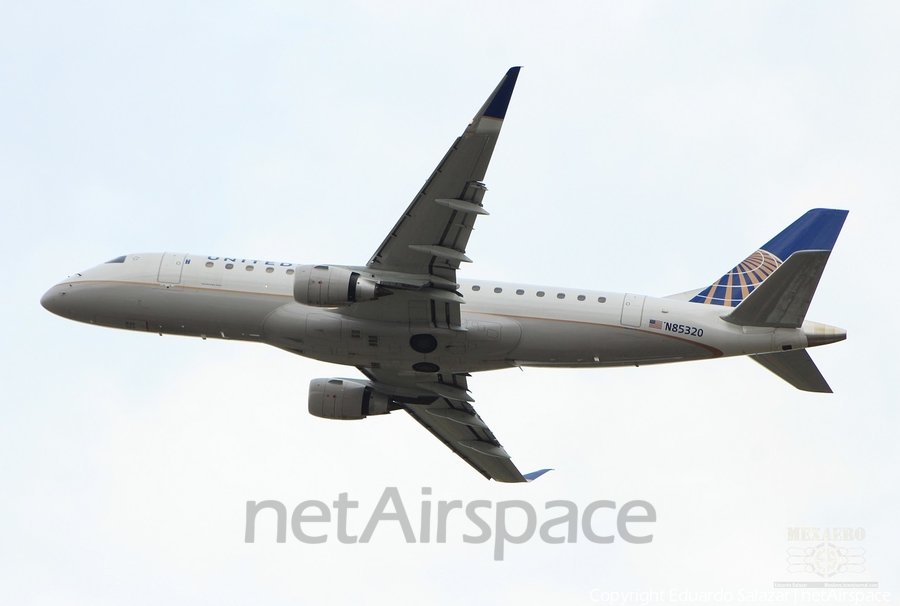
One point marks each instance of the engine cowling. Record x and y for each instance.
(329, 286)
(345, 399)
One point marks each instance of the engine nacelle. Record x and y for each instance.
(327, 286)
(345, 399)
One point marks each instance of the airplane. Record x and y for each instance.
(416, 332)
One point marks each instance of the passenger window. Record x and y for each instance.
(290, 272)
(249, 268)
(561, 295)
(520, 292)
(498, 290)
(270, 270)
(581, 297)
(209, 263)
(476, 288)
(601, 299)
(229, 266)
(540, 293)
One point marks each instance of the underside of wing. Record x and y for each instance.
(795, 367)
(442, 405)
(411, 281)
(430, 237)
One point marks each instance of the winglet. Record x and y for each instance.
(498, 102)
(534, 475)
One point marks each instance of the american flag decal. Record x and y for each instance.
(656, 324)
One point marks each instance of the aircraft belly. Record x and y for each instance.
(155, 308)
(210, 313)
(568, 343)
(343, 339)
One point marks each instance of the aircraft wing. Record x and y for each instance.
(451, 418)
(431, 236)
(418, 262)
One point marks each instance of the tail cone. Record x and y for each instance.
(822, 334)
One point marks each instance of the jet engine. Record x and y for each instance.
(327, 286)
(345, 399)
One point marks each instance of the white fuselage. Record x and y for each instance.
(506, 324)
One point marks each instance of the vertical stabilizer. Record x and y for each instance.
(818, 229)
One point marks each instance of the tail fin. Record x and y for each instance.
(817, 230)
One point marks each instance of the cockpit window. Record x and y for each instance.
(117, 260)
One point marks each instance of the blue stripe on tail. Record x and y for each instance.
(818, 229)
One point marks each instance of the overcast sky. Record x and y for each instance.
(648, 148)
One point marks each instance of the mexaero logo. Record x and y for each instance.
(731, 288)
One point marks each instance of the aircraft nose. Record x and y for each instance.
(52, 300)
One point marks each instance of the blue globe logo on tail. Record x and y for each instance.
(818, 229)
(731, 288)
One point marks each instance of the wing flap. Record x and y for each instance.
(450, 418)
(474, 444)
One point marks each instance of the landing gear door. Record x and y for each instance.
(632, 310)
(170, 268)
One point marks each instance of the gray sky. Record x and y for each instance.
(648, 148)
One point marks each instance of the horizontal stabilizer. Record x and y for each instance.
(795, 367)
(783, 299)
